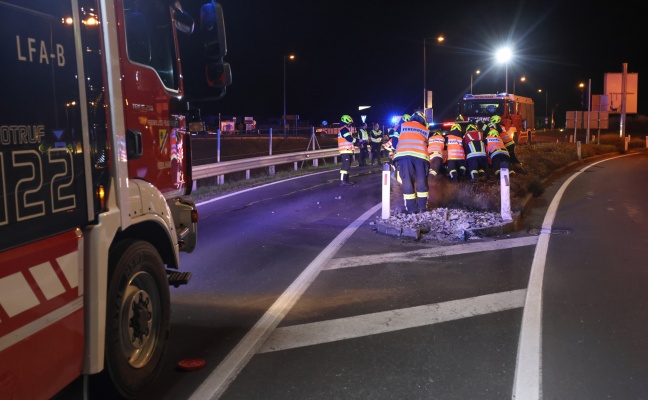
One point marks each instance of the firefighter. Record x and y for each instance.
(456, 155)
(346, 143)
(436, 146)
(498, 155)
(390, 146)
(475, 148)
(376, 138)
(413, 162)
(363, 144)
(507, 137)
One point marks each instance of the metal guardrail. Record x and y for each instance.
(247, 164)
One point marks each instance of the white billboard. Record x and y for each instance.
(613, 90)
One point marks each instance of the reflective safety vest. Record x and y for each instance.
(436, 145)
(495, 146)
(345, 140)
(507, 136)
(363, 135)
(376, 136)
(474, 144)
(413, 141)
(454, 144)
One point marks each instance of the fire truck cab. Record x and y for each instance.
(95, 177)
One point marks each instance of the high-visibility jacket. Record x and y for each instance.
(507, 136)
(436, 145)
(363, 135)
(412, 141)
(474, 144)
(345, 140)
(495, 146)
(454, 144)
(376, 136)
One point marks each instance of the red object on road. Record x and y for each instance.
(191, 364)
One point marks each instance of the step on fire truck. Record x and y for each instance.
(516, 111)
(95, 173)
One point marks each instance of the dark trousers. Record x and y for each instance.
(436, 164)
(499, 161)
(456, 169)
(512, 156)
(362, 156)
(375, 153)
(477, 166)
(413, 173)
(346, 166)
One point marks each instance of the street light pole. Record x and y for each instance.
(291, 57)
(439, 39)
(546, 121)
(471, 80)
(424, 76)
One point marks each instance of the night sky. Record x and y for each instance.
(370, 53)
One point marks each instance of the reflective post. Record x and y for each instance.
(386, 183)
(505, 191)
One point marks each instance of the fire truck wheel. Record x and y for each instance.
(137, 318)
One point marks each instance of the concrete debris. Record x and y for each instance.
(444, 225)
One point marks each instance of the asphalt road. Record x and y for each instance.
(295, 296)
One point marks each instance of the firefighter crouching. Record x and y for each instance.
(475, 148)
(498, 156)
(436, 145)
(413, 162)
(509, 141)
(456, 155)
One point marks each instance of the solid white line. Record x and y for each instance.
(417, 255)
(220, 378)
(527, 384)
(291, 337)
(261, 186)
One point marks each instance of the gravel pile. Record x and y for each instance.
(442, 225)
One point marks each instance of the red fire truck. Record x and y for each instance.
(516, 111)
(95, 173)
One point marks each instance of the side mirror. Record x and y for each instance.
(183, 21)
(212, 26)
(219, 74)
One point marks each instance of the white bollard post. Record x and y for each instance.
(505, 191)
(578, 149)
(627, 140)
(386, 183)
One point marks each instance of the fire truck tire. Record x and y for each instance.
(137, 317)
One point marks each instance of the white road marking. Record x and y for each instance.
(291, 337)
(220, 378)
(417, 255)
(527, 384)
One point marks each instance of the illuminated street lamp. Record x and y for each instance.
(288, 57)
(439, 40)
(504, 55)
(522, 79)
(471, 79)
